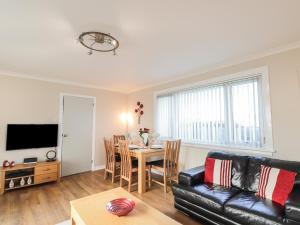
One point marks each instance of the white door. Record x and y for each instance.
(77, 143)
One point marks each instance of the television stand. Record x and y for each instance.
(25, 175)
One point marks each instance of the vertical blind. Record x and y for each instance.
(227, 113)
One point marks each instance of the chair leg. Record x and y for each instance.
(149, 176)
(165, 183)
(121, 182)
(113, 176)
(105, 175)
(129, 184)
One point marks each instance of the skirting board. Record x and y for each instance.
(67, 222)
(99, 167)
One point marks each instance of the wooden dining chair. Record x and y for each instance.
(129, 166)
(113, 161)
(168, 166)
(118, 138)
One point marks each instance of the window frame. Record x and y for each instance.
(263, 71)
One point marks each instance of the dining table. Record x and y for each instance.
(142, 154)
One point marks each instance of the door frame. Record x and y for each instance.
(61, 127)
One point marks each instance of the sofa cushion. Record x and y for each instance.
(209, 196)
(247, 208)
(218, 172)
(239, 167)
(275, 184)
(202, 214)
(254, 168)
(253, 172)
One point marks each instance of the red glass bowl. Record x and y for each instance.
(120, 206)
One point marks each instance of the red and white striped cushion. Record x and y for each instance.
(275, 184)
(218, 172)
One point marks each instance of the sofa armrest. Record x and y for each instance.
(292, 205)
(192, 176)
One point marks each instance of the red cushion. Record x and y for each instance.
(218, 172)
(275, 184)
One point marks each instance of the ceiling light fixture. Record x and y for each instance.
(97, 41)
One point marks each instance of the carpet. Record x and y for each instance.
(67, 222)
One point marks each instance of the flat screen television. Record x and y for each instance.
(28, 136)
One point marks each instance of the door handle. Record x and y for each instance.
(65, 135)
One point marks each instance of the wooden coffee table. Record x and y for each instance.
(91, 210)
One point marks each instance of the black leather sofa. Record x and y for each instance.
(238, 204)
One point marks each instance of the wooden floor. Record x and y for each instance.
(48, 204)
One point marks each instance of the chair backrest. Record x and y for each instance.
(171, 159)
(126, 163)
(118, 138)
(109, 154)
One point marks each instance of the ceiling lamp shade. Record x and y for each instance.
(97, 41)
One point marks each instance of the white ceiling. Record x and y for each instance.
(160, 40)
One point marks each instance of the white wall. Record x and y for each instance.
(32, 101)
(285, 104)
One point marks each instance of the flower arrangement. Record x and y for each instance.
(144, 130)
(139, 111)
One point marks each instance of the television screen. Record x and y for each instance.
(27, 136)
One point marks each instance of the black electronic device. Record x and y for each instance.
(29, 136)
(30, 160)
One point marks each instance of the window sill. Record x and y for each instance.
(233, 149)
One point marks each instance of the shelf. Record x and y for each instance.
(26, 185)
(40, 170)
(14, 178)
(22, 166)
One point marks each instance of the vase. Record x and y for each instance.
(11, 183)
(29, 180)
(22, 182)
(145, 137)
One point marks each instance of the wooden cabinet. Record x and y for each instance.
(32, 174)
(43, 178)
(45, 169)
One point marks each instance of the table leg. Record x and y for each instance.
(141, 174)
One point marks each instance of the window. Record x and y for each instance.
(229, 112)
